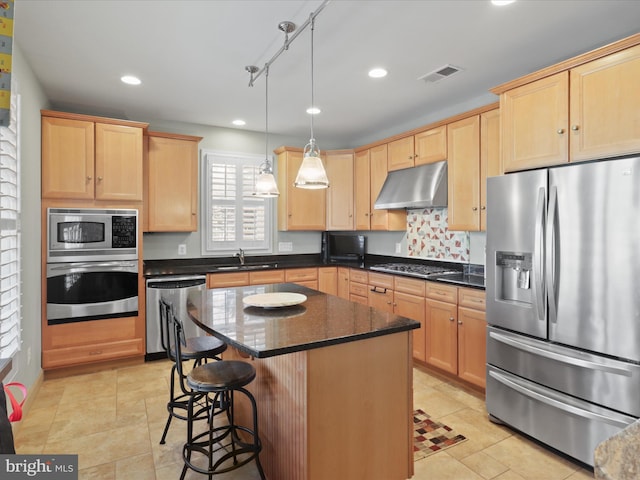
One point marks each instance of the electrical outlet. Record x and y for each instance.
(398, 248)
(182, 249)
(285, 246)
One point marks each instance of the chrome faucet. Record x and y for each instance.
(240, 255)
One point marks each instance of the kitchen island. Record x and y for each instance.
(333, 385)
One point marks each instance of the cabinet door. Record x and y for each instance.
(340, 198)
(412, 306)
(534, 123)
(605, 105)
(382, 219)
(431, 146)
(118, 162)
(328, 280)
(266, 277)
(362, 184)
(441, 335)
(489, 157)
(67, 158)
(298, 208)
(472, 346)
(343, 282)
(464, 174)
(172, 204)
(381, 298)
(400, 154)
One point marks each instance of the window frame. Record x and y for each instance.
(208, 247)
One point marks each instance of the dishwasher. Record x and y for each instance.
(174, 289)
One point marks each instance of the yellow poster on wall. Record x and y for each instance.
(6, 45)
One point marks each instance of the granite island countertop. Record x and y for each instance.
(321, 320)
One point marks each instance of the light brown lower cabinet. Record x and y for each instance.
(343, 283)
(328, 280)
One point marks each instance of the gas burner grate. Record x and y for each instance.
(416, 270)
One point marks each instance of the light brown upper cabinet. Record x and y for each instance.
(340, 196)
(490, 165)
(430, 145)
(425, 147)
(464, 174)
(171, 200)
(298, 208)
(582, 109)
(382, 219)
(362, 187)
(400, 154)
(91, 158)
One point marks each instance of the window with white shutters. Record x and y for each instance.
(232, 216)
(10, 312)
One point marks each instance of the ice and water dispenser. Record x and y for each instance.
(513, 277)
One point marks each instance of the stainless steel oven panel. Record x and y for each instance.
(106, 249)
(567, 424)
(83, 291)
(612, 383)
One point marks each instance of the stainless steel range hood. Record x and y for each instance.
(416, 187)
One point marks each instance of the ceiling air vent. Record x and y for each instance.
(440, 73)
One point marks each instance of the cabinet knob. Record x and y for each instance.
(89, 177)
(560, 131)
(575, 128)
(99, 179)
(451, 319)
(483, 208)
(474, 209)
(459, 322)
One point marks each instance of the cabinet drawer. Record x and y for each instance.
(266, 276)
(359, 289)
(358, 276)
(93, 332)
(62, 357)
(412, 286)
(381, 280)
(235, 279)
(444, 293)
(301, 274)
(471, 298)
(381, 298)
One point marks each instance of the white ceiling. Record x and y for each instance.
(191, 57)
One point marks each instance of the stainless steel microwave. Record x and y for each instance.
(90, 234)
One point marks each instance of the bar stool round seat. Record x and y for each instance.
(226, 445)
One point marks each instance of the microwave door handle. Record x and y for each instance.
(538, 256)
(551, 254)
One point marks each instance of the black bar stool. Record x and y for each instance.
(198, 349)
(225, 445)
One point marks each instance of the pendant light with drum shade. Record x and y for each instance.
(311, 174)
(266, 186)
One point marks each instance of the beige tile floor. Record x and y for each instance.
(114, 419)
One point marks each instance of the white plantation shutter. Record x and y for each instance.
(10, 235)
(233, 217)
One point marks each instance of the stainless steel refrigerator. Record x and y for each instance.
(563, 302)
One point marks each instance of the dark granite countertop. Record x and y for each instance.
(468, 276)
(320, 321)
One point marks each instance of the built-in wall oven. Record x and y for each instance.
(92, 264)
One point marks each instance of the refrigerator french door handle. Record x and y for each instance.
(550, 255)
(578, 362)
(557, 404)
(538, 264)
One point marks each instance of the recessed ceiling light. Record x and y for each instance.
(502, 3)
(313, 110)
(130, 80)
(377, 73)
(239, 123)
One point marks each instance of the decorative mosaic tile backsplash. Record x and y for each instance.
(428, 236)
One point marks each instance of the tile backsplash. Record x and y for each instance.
(428, 236)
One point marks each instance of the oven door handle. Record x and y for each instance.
(125, 265)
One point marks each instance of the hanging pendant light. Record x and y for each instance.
(266, 183)
(311, 174)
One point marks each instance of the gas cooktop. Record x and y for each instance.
(412, 269)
